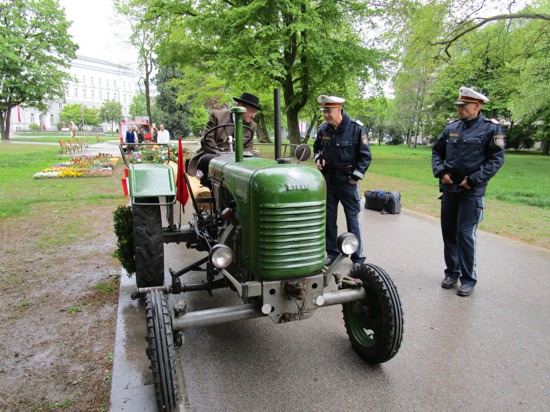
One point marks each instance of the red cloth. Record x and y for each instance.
(182, 193)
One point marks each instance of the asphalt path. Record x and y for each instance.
(485, 352)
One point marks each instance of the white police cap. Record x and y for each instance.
(469, 95)
(328, 102)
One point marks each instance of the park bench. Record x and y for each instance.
(82, 143)
(65, 148)
(74, 145)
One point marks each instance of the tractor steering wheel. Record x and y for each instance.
(227, 125)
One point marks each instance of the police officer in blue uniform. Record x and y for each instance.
(342, 154)
(468, 153)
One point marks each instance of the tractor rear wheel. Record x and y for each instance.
(161, 350)
(375, 324)
(148, 242)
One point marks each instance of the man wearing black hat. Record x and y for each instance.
(218, 141)
(468, 153)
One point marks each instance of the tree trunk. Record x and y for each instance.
(263, 135)
(293, 125)
(545, 147)
(5, 123)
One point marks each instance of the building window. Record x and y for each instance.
(107, 83)
(100, 95)
(83, 79)
(92, 94)
(75, 92)
(32, 117)
(107, 95)
(124, 98)
(92, 80)
(114, 84)
(52, 121)
(61, 105)
(100, 81)
(114, 96)
(84, 93)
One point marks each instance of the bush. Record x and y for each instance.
(34, 127)
(123, 223)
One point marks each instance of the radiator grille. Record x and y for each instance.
(291, 236)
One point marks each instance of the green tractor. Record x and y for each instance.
(263, 236)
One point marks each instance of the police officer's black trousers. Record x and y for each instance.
(460, 215)
(339, 190)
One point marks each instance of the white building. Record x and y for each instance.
(93, 82)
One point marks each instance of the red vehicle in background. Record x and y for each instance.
(139, 122)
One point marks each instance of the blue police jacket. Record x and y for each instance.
(130, 137)
(472, 149)
(345, 148)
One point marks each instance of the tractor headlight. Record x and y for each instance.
(347, 243)
(221, 256)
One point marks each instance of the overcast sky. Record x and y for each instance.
(96, 31)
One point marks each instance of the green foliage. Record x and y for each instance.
(305, 48)
(36, 50)
(111, 111)
(79, 114)
(441, 50)
(175, 111)
(123, 225)
(138, 107)
(34, 127)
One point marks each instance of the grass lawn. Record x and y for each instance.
(517, 200)
(19, 192)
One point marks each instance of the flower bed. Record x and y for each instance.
(81, 166)
(152, 153)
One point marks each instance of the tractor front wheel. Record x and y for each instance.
(375, 324)
(161, 350)
(148, 242)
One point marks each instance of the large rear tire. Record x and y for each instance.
(161, 350)
(148, 242)
(374, 325)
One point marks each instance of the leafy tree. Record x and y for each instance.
(36, 50)
(79, 114)
(138, 107)
(144, 36)
(305, 48)
(174, 111)
(72, 112)
(111, 111)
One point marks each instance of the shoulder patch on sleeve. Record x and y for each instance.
(500, 140)
(358, 122)
(495, 121)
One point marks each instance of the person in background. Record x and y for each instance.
(154, 133)
(140, 134)
(342, 154)
(163, 135)
(218, 141)
(130, 138)
(72, 130)
(468, 153)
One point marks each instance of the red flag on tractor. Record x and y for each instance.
(182, 193)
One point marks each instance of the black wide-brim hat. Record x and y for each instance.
(249, 99)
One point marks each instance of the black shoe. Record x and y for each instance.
(465, 290)
(448, 282)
